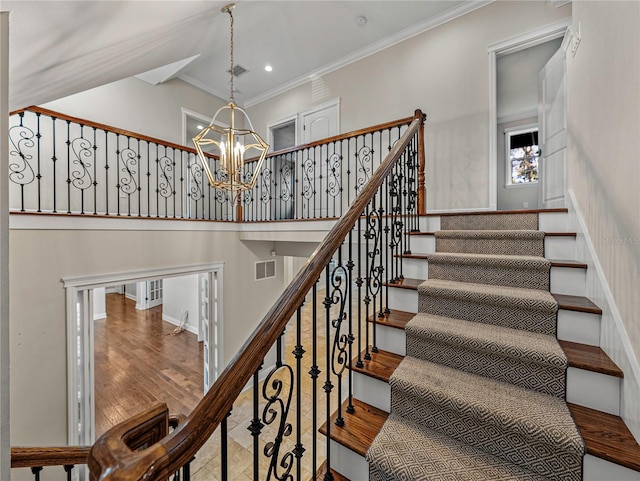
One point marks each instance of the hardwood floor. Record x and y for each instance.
(139, 361)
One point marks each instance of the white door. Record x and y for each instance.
(552, 120)
(318, 123)
(154, 293)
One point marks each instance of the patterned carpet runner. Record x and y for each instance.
(480, 393)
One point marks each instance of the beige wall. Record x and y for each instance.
(444, 72)
(603, 117)
(139, 107)
(40, 258)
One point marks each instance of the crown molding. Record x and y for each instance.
(407, 33)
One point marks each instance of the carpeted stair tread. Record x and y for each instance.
(490, 220)
(526, 359)
(405, 451)
(529, 272)
(528, 309)
(533, 430)
(504, 242)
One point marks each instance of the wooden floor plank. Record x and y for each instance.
(591, 358)
(606, 436)
(360, 427)
(406, 283)
(139, 360)
(380, 366)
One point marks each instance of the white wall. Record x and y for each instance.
(444, 72)
(38, 329)
(134, 105)
(99, 303)
(180, 295)
(603, 120)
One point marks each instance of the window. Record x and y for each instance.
(522, 155)
(283, 135)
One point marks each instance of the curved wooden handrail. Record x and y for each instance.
(111, 459)
(32, 457)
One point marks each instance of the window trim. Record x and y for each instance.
(508, 133)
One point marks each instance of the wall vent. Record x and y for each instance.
(238, 70)
(265, 269)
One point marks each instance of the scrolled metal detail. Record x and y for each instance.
(338, 297)
(265, 192)
(373, 232)
(277, 394)
(21, 139)
(196, 190)
(129, 159)
(165, 165)
(82, 149)
(286, 177)
(364, 161)
(308, 170)
(334, 163)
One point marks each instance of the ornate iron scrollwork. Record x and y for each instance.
(81, 177)
(129, 159)
(364, 160)
(308, 178)
(278, 393)
(196, 190)
(265, 192)
(334, 162)
(20, 171)
(286, 178)
(338, 297)
(165, 166)
(373, 232)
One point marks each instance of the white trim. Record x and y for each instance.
(194, 115)
(99, 315)
(373, 48)
(615, 314)
(176, 322)
(504, 47)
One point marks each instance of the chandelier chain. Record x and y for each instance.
(232, 98)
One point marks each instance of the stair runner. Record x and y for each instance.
(480, 393)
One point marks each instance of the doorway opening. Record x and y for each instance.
(87, 300)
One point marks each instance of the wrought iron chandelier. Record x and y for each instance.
(235, 142)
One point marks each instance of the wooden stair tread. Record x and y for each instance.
(576, 303)
(406, 283)
(380, 366)
(323, 469)
(360, 427)
(396, 319)
(591, 358)
(560, 234)
(567, 263)
(606, 436)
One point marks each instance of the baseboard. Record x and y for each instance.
(621, 354)
(131, 296)
(99, 315)
(176, 322)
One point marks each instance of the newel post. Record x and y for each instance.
(422, 199)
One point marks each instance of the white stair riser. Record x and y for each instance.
(415, 268)
(403, 299)
(598, 469)
(568, 280)
(429, 224)
(553, 221)
(372, 390)
(348, 463)
(560, 247)
(579, 327)
(593, 390)
(391, 339)
(423, 244)
(555, 247)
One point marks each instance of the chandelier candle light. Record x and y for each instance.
(234, 143)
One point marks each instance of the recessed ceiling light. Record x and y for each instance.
(268, 68)
(199, 127)
(361, 20)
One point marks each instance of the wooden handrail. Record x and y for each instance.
(111, 459)
(51, 456)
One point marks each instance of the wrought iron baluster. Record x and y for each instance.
(340, 350)
(328, 385)
(68, 468)
(106, 172)
(255, 428)
(224, 449)
(36, 472)
(388, 251)
(367, 298)
(359, 283)
(39, 170)
(350, 265)
(54, 160)
(374, 268)
(334, 186)
(298, 353)
(68, 142)
(95, 171)
(314, 372)
(20, 171)
(148, 175)
(139, 189)
(79, 177)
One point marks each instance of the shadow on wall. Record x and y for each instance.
(457, 166)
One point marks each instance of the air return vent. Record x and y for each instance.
(265, 269)
(238, 70)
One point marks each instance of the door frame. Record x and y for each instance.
(80, 349)
(504, 47)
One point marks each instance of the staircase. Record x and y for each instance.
(474, 363)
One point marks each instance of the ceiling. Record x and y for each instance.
(58, 48)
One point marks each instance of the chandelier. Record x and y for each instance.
(234, 141)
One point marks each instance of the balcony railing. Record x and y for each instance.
(66, 165)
